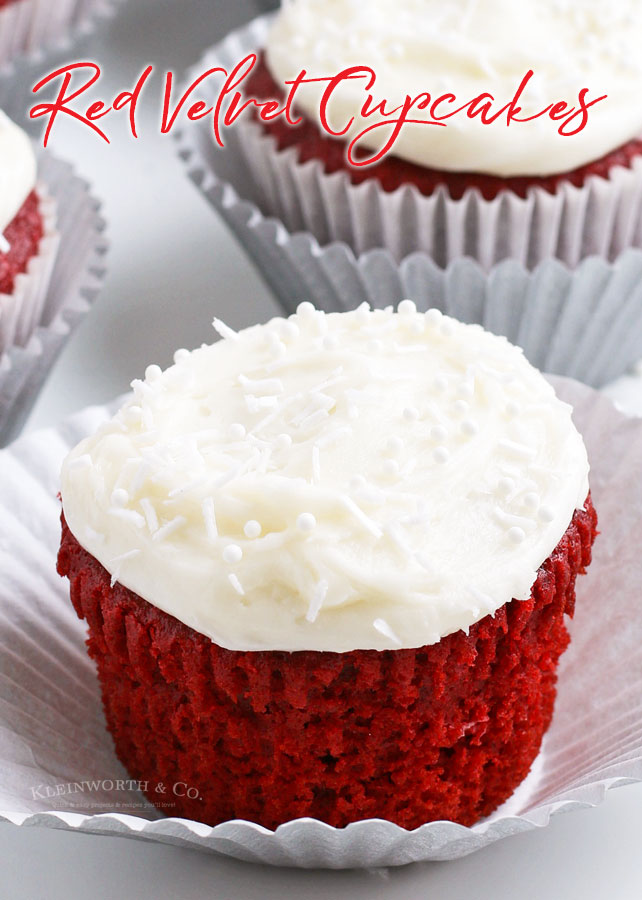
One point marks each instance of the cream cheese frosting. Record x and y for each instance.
(368, 479)
(17, 170)
(469, 47)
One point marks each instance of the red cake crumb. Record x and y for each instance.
(24, 234)
(394, 172)
(445, 731)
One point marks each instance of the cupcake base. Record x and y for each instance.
(445, 731)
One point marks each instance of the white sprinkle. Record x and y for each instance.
(383, 628)
(120, 498)
(306, 522)
(390, 468)
(153, 373)
(512, 409)
(410, 413)
(469, 427)
(394, 445)
(289, 330)
(169, 528)
(252, 529)
(129, 554)
(362, 313)
(441, 455)
(423, 562)
(466, 388)
(461, 407)
(314, 419)
(417, 326)
(447, 329)
(150, 514)
(433, 316)
(546, 514)
(256, 404)
(224, 330)
(82, 462)
(438, 433)
(128, 515)
(361, 517)
(316, 464)
(394, 533)
(209, 517)
(185, 488)
(261, 385)
(237, 431)
(516, 535)
(517, 449)
(181, 356)
(232, 554)
(144, 469)
(236, 584)
(531, 500)
(407, 308)
(306, 310)
(316, 600)
(508, 519)
(283, 441)
(278, 349)
(330, 342)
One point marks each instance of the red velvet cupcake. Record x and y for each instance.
(325, 565)
(457, 187)
(28, 238)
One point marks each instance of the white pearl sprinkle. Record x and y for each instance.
(153, 373)
(237, 431)
(433, 317)
(466, 389)
(232, 554)
(252, 529)
(516, 535)
(306, 522)
(407, 308)
(289, 331)
(441, 455)
(283, 441)
(120, 498)
(447, 329)
(531, 500)
(469, 427)
(181, 356)
(306, 310)
(546, 514)
(461, 407)
(438, 433)
(411, 414)
(363, 313)
(394, 445)
(278, 348)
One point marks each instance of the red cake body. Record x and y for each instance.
(445, 731)
(393, 172)
(24, 234)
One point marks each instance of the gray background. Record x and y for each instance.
(173, 266)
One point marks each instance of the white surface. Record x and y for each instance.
(183, 268)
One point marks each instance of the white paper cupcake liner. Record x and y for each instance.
(585, 323)
(603, 217)
(21, 310)
(29, 26)
(53, 737)
(74, 282)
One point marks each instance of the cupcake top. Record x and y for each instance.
(369, 479)
(469, 47)
(17, 170)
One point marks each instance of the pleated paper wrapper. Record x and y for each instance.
(29, 27)
(52, 299)
(57, 764)
(579, 315)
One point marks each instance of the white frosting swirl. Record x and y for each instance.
(17, 170)
(330, 482)
(469, 47)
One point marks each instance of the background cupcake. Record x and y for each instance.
(485, 191)
(344, 502)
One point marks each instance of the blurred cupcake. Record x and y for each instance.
(325, 565)
(485, 191)
(28, 237)
(29, 26)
